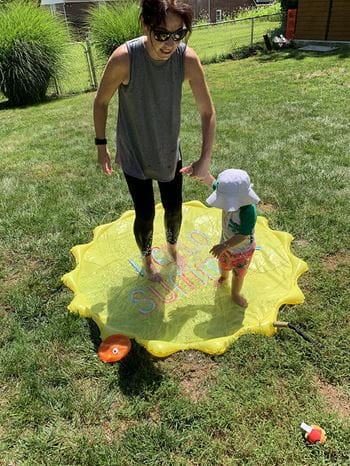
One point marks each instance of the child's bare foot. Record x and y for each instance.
(150, 272)
(238, 299)
(175, 255)
(221, 280)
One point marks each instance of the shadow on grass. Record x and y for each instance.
(284, 54)
(264, 55)
(4, 105)
(138, 373)
(7, 105)
(94, 333)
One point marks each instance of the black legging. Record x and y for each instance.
(143, 198)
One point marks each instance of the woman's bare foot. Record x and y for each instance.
(238, 299)
(150, 271)
(175, 255)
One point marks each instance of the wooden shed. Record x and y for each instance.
(323, 20)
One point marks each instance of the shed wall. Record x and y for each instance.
(339, 24)
(323, 20)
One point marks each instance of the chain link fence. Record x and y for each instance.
(82, 70)
(212, 42)
(215, 41)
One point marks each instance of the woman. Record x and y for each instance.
(148, 73)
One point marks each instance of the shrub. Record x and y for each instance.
(32, 45)
(112, 25)
(272, 9)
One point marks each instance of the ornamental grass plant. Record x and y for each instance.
(32, 47)
(112, 25)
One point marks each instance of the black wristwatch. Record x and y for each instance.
(100, 142)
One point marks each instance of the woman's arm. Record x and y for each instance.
(195, 75)
(115, 74)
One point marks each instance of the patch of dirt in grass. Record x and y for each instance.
(5, 309)
(301, 242)
(119, 420)
(336, 400)
(194, 370)
(84, 385)
(9, 392)
(41, 171)
(333, 71)
(114, 429)
(11, 279)
(267, 207)
(114, 421)
(332, 261)
(15, 275)
(155, 415)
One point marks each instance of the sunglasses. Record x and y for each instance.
(162, 35)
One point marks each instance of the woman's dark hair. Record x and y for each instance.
(153, 12)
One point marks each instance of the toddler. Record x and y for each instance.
(233, 194)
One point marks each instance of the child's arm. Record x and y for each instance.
(247, 216)
(218, 249)
(209, 180)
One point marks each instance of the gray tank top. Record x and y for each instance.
(149, 113)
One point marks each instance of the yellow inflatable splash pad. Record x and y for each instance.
(186, 310)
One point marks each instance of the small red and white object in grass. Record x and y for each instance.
(114, 348)
(314, 433)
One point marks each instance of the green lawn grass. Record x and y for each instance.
(214, 42)
(284, 118)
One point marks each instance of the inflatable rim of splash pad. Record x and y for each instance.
(214, 346)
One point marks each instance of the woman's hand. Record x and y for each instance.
(207, 178)
(218, 249)
(195, 170)
(104, 160)
(199, 170)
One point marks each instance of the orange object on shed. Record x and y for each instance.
(114, 348)
(291, 23)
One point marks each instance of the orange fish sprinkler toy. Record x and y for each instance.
(114, 348)
(314, 434)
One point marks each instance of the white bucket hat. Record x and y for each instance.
(233, 190)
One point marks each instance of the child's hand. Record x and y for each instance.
(217, 250)
(209, 180)
(187, 170)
